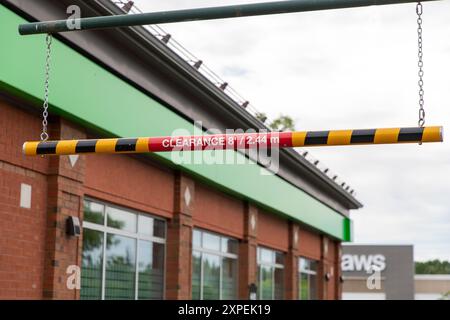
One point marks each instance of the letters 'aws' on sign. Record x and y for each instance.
(363, 262)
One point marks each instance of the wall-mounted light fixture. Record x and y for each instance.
(73, 227)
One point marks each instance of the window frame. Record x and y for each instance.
(218, 253)
(105, 229)
(273, 265)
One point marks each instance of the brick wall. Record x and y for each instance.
(130, 182)
(211, 208)
(273, 231)
(22, 234)
(22, 230)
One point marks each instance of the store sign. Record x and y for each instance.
(363, 262)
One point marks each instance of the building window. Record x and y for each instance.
(214, 266)
(270, 274)
(307, 279)
(123, 254)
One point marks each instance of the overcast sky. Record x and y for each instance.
(350, 68)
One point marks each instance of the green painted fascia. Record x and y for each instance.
(348, 228)
(86, 93)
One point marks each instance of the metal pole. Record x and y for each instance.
(222, 12)
(236, 141)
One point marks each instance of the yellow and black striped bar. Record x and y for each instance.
(237, 141)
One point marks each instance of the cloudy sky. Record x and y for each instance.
(351, 68)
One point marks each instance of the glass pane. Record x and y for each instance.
(266, 283)
(266, 255)
(145, 225)
(279, 283)
(151, 270)
(313, 266)
(229, 278)
(120, 267)
(91, 265)
(197, 239)
(211, 277)
(229, 245)
(224, 244)
(121, 219)
(159, 228)
(152, 227)
(279, 258)
(211, 241)
(313, 287)
(196, 274)
(303, 264)
(303, 287)
(93, 212)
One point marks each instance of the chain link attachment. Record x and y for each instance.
(44, 134)
(419, 11)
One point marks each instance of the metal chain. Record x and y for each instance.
(419, 11)
(44, 134)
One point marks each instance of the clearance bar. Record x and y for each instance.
(236, 141)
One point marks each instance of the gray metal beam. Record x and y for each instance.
(222, 12)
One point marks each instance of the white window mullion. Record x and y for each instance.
(97, 227)
(201, 276)
(220, 278)
(216, 253)
(201, 267)
(273, 282)
(136, 282)
(309, 287)
(165, 263)
(104, 266)
(260, 282)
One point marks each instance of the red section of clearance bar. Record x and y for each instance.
(221, 141)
